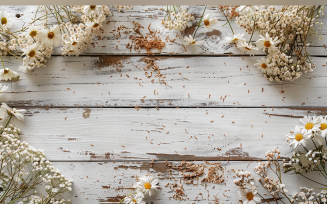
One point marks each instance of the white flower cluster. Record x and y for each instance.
(247, 192)
(34, 199)
(310, 132)
(177, 20)
(282, 32)
(31, 168)
(304, 162)
(77, 37)
(307, 195)
(37, 42)
(309, 129)
(122, 7)
(147, 186)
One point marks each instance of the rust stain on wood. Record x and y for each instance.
(189, 31)
(86, 114)
(108, 60)
(214, 32)
(112, 199)
(235, 154)
(156, 166)
(315, 110)
(105, 156)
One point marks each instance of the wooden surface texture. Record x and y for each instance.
(103, 122)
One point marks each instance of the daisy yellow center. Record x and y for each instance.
(266, 44)
(31, 53)
(323, 126)
(51, 35)
(264, 66)
(134, 201)
(6, 71)
(206, 22)
(74, 43)
(147, 186)
(71, 51)
(247, 48)
(4, 20)
(308, 126)
(96, 25)
(92, 7)
(33, 33)
(249, 196)
(193, 42)
(299, 137)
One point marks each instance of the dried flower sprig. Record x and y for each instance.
(178, 19)
(310, 134)
(23, 167)
(283, 33)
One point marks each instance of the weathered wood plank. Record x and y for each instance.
(191, 81)
(100, 182)
(114, 134)
(107, 43)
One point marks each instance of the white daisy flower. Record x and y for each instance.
(147, 185)
(209, 20)
(299, 136)
(246, 9)
(3, 114)
(190, 41)
(309, 124)
(14, 111)
(5, 24)
(97, 24)
(52, 37)
(32, 33)
(263, 64)
(267, 42)
(92, 10)
(323, 126)
(3, 88)
(134, 199)
(248, 196)
(246, 47)
(32, 53)
(73, 42)
(8, 74)
(237, 38)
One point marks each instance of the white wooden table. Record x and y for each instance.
(217, 107)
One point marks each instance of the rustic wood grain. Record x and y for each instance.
(101, 182)
(108, 43)
(84, 113)
(114, 134)
(190, 81)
